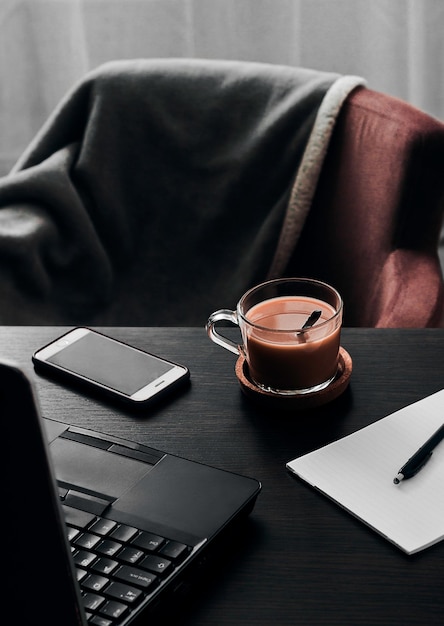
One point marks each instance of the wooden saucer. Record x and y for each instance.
(297, 402)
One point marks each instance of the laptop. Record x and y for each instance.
(100, 530)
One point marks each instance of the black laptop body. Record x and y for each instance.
(99, 530)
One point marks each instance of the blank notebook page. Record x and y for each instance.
(357, 472)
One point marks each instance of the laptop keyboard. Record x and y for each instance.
(118, 566)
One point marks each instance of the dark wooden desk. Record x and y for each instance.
(300, 559)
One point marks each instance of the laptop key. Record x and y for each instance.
(104, 565)
(131, 555)
(126, 593)
(148, 541)
(156, 564)
(124, 533)
(72, 533)
(84, 558)
(92, 601)
(97, 620)
(94, 582)
(87, 541)
(108, 547)
(103, 526)
(80, 573)
(136, 576)
(115, 610)
(174, 550)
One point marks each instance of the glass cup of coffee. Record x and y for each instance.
(290, 330)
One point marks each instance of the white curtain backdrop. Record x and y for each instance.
(47, 45)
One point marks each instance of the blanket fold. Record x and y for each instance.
(160, 190)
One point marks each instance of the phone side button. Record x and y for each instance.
(147, 457)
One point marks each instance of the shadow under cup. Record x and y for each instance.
(285, 354)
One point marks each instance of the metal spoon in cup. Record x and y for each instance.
(311, 320)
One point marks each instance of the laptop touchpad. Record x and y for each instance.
(95, 469)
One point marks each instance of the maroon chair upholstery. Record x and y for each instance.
(374, 224)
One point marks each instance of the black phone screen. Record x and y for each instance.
(110, 363)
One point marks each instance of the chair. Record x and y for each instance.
(374, 224)
(158, 191)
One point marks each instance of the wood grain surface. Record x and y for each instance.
(299, 559)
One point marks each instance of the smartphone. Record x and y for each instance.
(110, 367)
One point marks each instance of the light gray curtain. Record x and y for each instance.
(46, 45)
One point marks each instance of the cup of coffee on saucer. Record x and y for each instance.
(291, 350)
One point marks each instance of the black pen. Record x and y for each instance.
(420, 458)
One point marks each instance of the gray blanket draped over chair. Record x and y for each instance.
(160, 190)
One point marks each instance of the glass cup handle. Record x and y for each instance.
(227, 316)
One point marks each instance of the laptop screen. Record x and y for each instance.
(38, 571)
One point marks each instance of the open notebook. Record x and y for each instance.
(357, 472)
